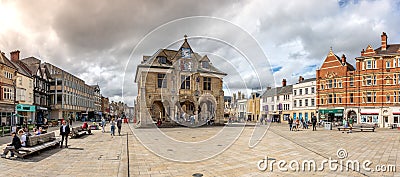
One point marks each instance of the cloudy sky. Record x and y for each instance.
(102, 41)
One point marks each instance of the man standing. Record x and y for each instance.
(15, 144)
(103, 124)
(119, 124)
(64, 131)
(290, 123)
(314, 123)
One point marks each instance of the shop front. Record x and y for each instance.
(369, 116)
(25, 114)
(331, 115)
(6, 113)
(42, 113)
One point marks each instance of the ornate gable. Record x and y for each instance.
(331, 60)
(368, 51)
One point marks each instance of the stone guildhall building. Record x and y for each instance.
(177, 86)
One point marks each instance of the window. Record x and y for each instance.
(204, 64)
(398, 62)
(306, 91)
(387, 64)
(162, 81)
(322, 87)
(330, 99)
(300, 103)
(369, 64)
(162, 59)
(272, 107)
(8, 75)
(306, 102)
(394, 62)
(312, 102)
(300, 91)
(351, 81)
(371, 97)
(322, 101)
(8, 93)
(295, 92)
(351, 98)
(369, 119)
(394, 97)
(368, 80)
(340, 84)
(329, 84)
(312, 90)
(340, 99)
(207, 83)
(387, 98)
(374, 80)
(396, 119)
(334, 98)
(185, 82)
(334, 83)
(294, 103)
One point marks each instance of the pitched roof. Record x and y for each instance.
(32, 64)
(6, 61)
(22, 68)
(173, 55)
(390, 49)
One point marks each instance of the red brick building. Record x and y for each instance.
(335, 84)
(379, 82)
(370, 93)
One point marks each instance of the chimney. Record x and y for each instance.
(384, 40)
(284, 83)
(14, 55)
(344, 59)
(301, 79)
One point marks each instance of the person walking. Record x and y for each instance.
(290, 121)
(297, 124)
(314, 123)
(112, 124)
(64, 132)
(119, 125)
(103, 124)
(351, 121)
(15, 144)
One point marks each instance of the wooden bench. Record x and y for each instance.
(341, 128)
(78, 131)
(36, 143)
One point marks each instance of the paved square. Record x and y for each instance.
(102, 155)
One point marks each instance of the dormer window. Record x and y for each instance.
(205, 64)
(162, 59)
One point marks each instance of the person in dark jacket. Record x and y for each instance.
(64, 132)
(15, 144)
(119, 125)
(314, 123)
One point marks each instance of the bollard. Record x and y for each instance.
(127, 152)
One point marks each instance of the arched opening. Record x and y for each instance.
(352, 114)
(157, 111)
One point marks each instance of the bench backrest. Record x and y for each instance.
(39, 139)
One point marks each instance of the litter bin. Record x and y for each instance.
(328, 126)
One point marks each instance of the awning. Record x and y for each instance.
(41, 108)
(370, 111)
(26, 108)
(327, 111)
(396, 113)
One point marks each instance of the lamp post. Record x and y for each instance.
(14, 120)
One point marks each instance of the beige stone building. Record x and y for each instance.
(179, 86)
